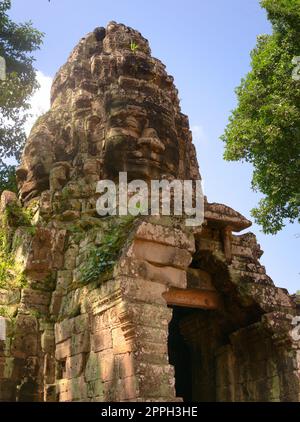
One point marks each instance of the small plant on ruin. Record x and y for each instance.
(11, 272)
(4, 312)
(17, 216)
(11, 275)
(77, 232)
(101, 259)
(133, 47)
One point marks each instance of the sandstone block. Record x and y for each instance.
(80, 343)
(127, 388)
(8, 390)
(95, 389)
(144, 290)
(24, 345)
(81, 323)
(161, 254)
(120, 343)
(148, 374)
(107, 319)
(55, 304)
(100, 365)
(101, 340)
(126, 364)
(63, 350)
(150, 315)
(70, 257)
(63, 330)
(7, 197)
(48, 341)
(166, 236)
(170, 276)
(35, 297)
(74, 365)
(49, 368)
(76, 389)
(64, 280)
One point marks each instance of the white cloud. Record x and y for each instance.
(40, 101)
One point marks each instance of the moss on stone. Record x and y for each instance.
(11, 272)
(8, 311)
(102, 258)
(16, 216)
(77, 232)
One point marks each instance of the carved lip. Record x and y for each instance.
(161, 165)
(149, 161)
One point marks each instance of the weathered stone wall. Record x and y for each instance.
(107, 340)
(256, 366)
(117, 349)
(88, 303)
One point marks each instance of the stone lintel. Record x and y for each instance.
(193, 298)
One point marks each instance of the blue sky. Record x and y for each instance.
(205, 45)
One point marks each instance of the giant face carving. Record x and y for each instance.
(33, 174)
(112, 110)
(139, 141)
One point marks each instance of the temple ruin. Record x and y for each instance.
(121, 308)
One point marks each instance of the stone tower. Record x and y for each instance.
(122, 308)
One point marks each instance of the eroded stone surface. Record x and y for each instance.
(110, 337)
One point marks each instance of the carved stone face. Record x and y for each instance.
(140, 142)
(112, 110)
(33, 175)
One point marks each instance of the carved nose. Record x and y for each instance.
(154, 144)
(151, 140)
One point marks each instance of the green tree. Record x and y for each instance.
(17, 42)
(264, 129)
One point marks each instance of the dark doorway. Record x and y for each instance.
(194, 337)
(180, 355)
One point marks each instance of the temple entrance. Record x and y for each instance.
(199, 344)
(180, 355)
(193, 338)
(192, 342)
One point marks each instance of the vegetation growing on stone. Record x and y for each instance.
(4, 312)
(17, 216)
(11, 273)
(133, 46)
(102, 258)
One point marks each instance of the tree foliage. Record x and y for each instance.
(264, 129)
(17, 43)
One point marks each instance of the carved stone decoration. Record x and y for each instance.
(113, 108)
(123, 309)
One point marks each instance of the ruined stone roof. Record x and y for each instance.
(224, 216)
